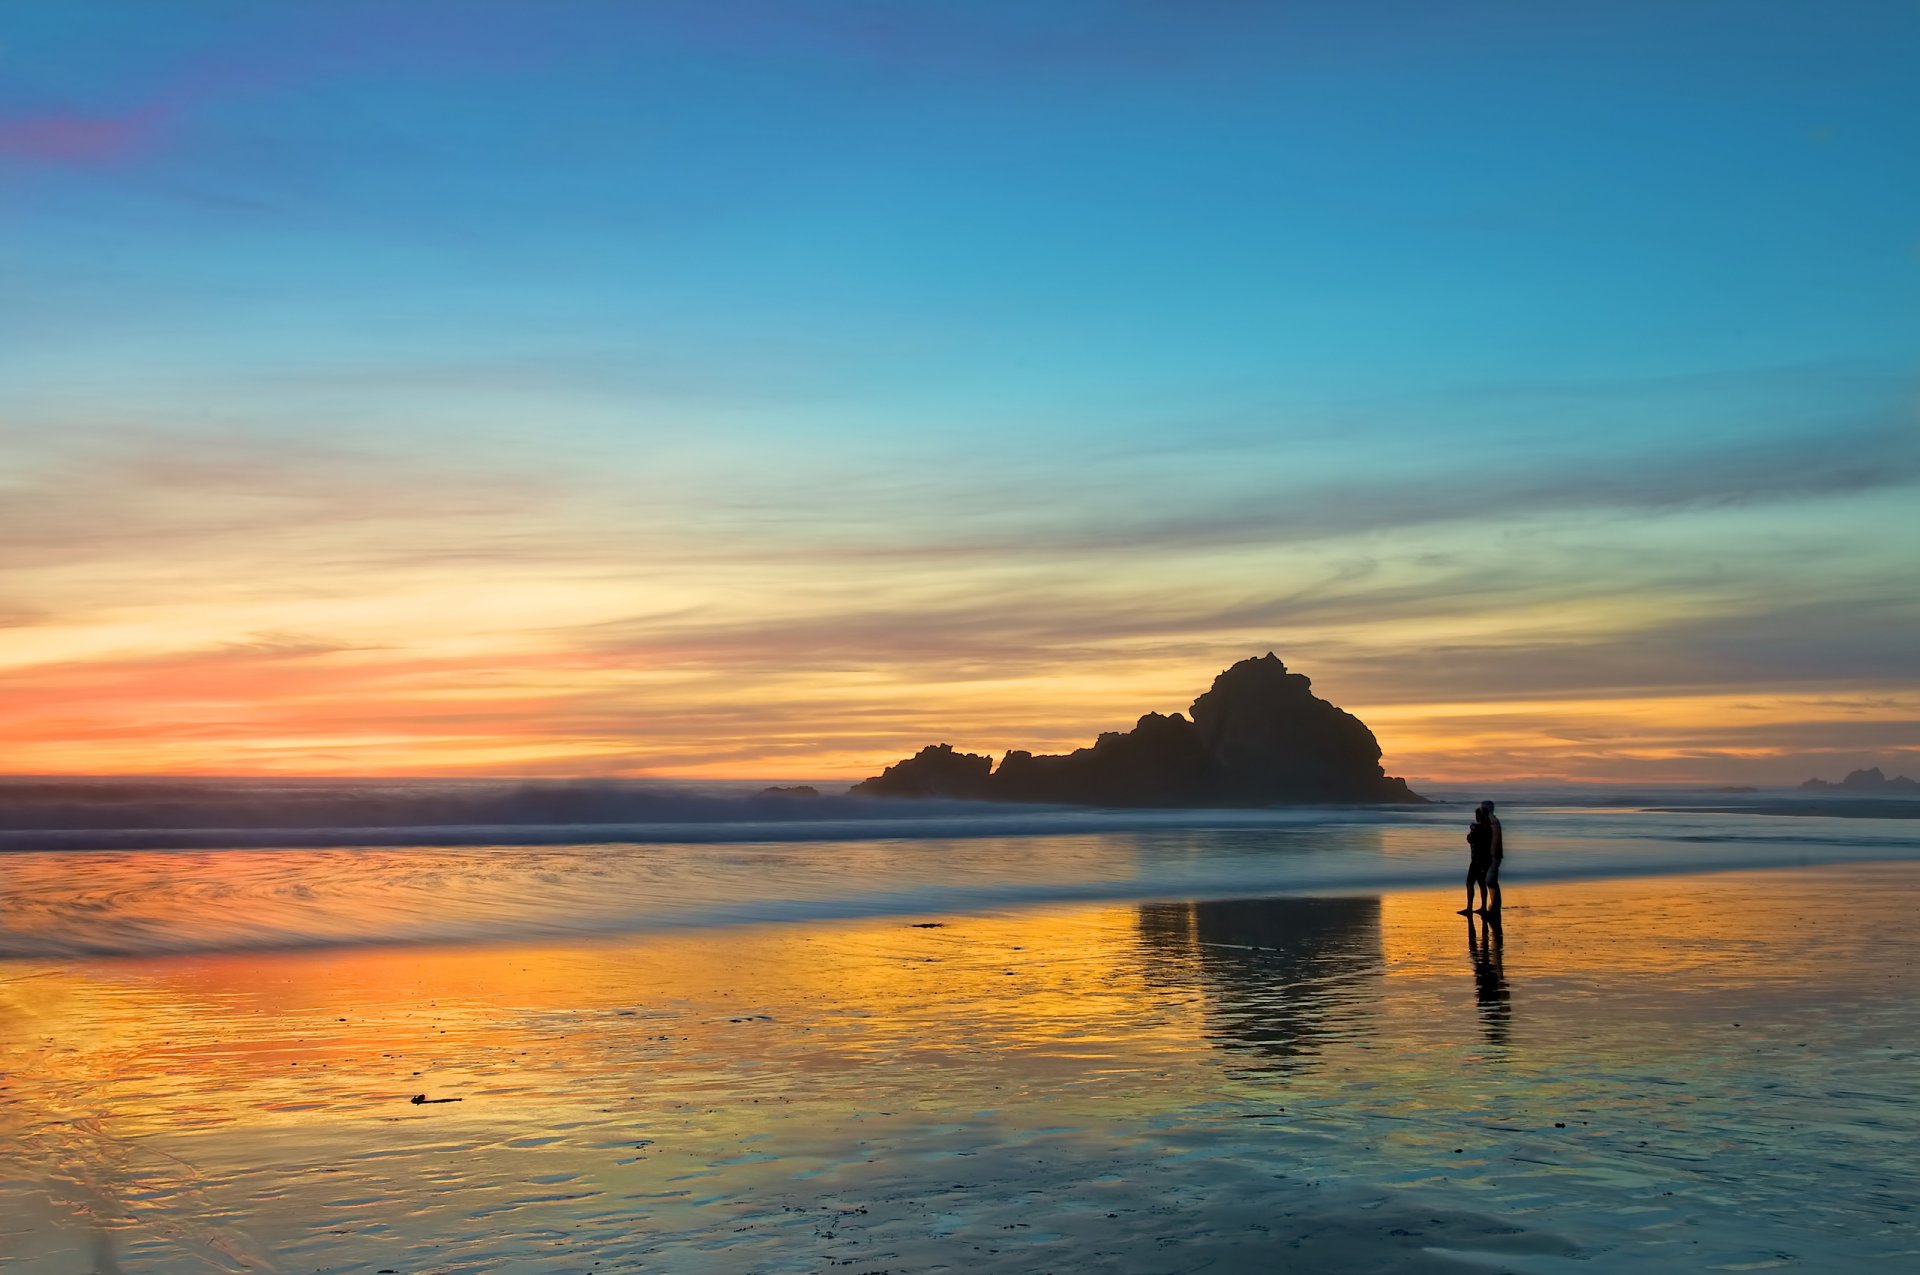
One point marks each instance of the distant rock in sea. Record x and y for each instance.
(801, 791)
(1871, 780)
(1259, 737)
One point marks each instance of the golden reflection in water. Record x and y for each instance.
(309, 1058)
(136, 1081)
(1279, 977)
(1757, 929)
(277, 1039)
(271, 1039)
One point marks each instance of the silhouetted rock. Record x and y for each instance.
(934, 771)
(1871, 780)
(803, 791)
(1258, 737)
(1277, 741)
(1160, 762)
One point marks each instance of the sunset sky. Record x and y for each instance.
(746, 388)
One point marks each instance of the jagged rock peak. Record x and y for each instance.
(1258, 736)
(935, 771)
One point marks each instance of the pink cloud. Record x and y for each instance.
(87, 140)
(72, 139)
(276, 52)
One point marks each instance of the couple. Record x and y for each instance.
(1483, 867)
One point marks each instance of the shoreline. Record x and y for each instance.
(1000, 820)
(1305, 878)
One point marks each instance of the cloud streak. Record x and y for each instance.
(167, 589)
(1295, 508)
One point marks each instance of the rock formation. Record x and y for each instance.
(934, 771)
(1872, 780)
(1259, 737)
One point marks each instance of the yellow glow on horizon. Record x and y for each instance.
(582, 661)
(387, 713)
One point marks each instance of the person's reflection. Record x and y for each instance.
(1484, 944)
(1281, 978)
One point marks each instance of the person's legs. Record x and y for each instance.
(1490, 886)
(1475, 872)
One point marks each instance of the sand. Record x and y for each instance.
(1694, 1073)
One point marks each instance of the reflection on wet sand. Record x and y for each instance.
(1280, 978)
(1711, 1071)
(1486, 944)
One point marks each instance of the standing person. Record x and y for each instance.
(1480, 861)
(1499, 853)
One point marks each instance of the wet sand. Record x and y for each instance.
(1695, 1073)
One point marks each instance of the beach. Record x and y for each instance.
(1673, 1072)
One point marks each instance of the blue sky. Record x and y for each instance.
(1458, 352)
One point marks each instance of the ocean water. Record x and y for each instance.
(117, 869)
(708, 1033)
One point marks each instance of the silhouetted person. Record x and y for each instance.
(1499, 855)
(1484, 944)
(1483, 859)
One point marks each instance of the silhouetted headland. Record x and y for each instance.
(1259, 737)
(1872, 780)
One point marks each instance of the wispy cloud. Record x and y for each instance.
(1267, 502)
(89, 140)
(142, 493)
(475, 620)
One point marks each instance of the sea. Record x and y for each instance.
(153, 867)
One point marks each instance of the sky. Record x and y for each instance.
(738, 388)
